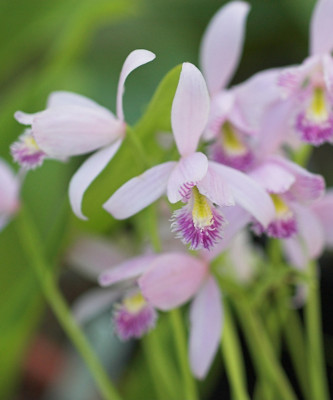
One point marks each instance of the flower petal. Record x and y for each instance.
(9, 189)
(295, 253)
(187, 172)
(222, 45)
(25, 118)
(247, 193)
(324, 212)
(139, 192)
(190, 109)
(129, 269)
(134, 60)
(206, 318)
(321, 30)
(217, 191)
(72, 130)
(88, 171)
(172, 279)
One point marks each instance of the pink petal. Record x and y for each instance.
(222, 45)
(139, 192)
(206, 318)
(88, 171)
(186, 173)
(307, 186)
(24, 118)
(72, 130)
(134, 60)
(321, 31)
(129, 269)
(310, 230)
(9, 189)
(190, 109)
(324, 212)
(172, 279)
(217, 191)
(247, 193)
(272, 177)
(295, 253)
(221, 107)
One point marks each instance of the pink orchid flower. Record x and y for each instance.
(194, 180)
(9, 193)
(72, 125)
(235, 113)
(308, 87)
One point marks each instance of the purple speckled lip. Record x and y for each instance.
(282, 228)
(130, 324)
(28, 157)
(242, 162)
(313, 132)
(197, 237)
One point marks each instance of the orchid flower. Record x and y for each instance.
(194, 180)
(310, 84)
(235, 113)
(72, 125)
(9, 193)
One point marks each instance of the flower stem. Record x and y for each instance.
(314, 337)
(190, 390)
(32, 246)
(230, 347)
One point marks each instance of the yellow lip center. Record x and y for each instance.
(134, 303)
(231, 141)
(201, 211)
(31, 142)
(318, 110)
(280, 205)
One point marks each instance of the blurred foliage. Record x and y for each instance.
(80, 45)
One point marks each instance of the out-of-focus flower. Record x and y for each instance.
(197, 182)
(72, 125)
(309, 85)
(9, 193)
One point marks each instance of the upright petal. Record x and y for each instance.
(71, 130)
(88, 171)
(222, 45)
(172, 279)
(247, 193)
(187, 172)
(190, 109)
(206, 318)
(139, 192)
(134, 60)
(128, 269)
(321, 31)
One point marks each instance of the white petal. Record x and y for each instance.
(134, 60)
(324, 212)
(222, 44)
(206, 318)
(88, 171)
(24, 118)
(9, 189)
(190, 109)
(139, 192)
(321, 33)
(186, 173)
(247, 193)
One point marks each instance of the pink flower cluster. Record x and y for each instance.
(244, 177)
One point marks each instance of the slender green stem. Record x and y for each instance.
(231, 351)
(33, 247)
(190, 390)
(314, 337)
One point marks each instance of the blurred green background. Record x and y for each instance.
(80, 46)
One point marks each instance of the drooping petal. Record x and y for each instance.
(272, 177)
(295, 253)
(307, 186)
(139, 192)
(72, 130)
(222, 45)
(187, 172)
(85, 175)
(321, 31)
(9, 189)
(217, 191)
(190, 109)
(310, 230)
(206, 318)
(128, 269)
(134, 60)
(247, 193)
(324, 212)
(172, 279)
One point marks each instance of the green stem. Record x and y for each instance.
(190, 390)
(33, 247)
(230, 347)
(314, 337)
